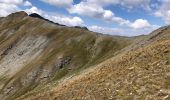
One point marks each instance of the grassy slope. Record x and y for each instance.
(86, 48)
(142, 72)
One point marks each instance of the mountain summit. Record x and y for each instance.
(43, 60)
(36, 15)
(18, 14)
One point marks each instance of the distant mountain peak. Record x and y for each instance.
(36, 16)
(18, 14)
(82, 27)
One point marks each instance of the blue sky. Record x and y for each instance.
(115, 17)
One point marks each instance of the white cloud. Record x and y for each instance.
(59, 3)
(27, 3)
(14, 2)
(92, 9)
(125, 3)
(164, 11)
(123, 31)
(6, 9)
(108, 14)
(96, 11)
(34, 10)
(103, 2)
(140, 24)
(84, 8)
(61, 19)
(10, 6)
(140, 31)
(105, 30)
(136, 4)
(95, 8)
(65, 20)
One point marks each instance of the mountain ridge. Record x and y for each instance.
(43, 60)
(35, 51)
(141, 72)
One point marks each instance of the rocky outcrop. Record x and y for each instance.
(35, 15)
(84, 28)
(63, 62)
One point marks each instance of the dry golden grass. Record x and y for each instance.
(139, 73)
(86, 49)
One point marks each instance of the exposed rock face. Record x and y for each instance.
(35, 15)
(21, 53)
(85, 28)
(37, 51)
(63, 62)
